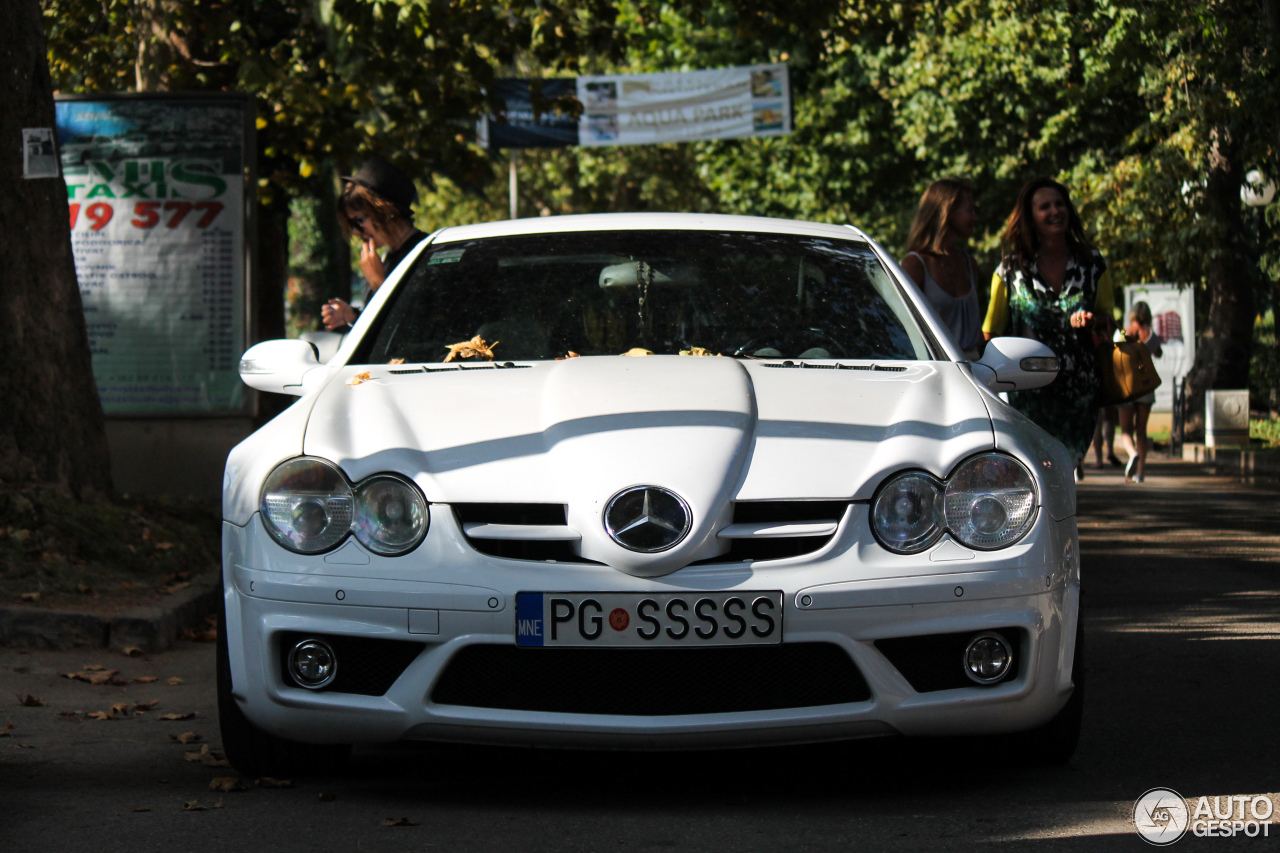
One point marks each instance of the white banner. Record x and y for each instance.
(155, 188)
(719, 103)
(1173, 318)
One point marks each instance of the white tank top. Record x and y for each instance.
(962, 315)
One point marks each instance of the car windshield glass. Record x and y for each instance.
(543, 296)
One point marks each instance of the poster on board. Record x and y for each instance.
(1173, 318)
(156, 191)
(639, 109)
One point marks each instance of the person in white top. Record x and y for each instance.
(938, 265)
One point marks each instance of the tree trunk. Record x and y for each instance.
(1224, 348)
(53, 431)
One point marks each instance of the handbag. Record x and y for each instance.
(1126, 371)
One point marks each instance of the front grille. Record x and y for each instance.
(539, 550)
(936, 661)
(651, 682)
(778, 512)
(366, 665)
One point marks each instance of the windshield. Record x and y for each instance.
(544, 296)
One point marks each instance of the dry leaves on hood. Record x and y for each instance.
(396, 361)
(571, 354)
(29, 701)
(270, 782)
(187, 716)
(226, 785)
(359, 378)
(637, 352)
(470, 349)
(145, 679)
(185, 737)
(399, 821)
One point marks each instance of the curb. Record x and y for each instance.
(152, 629)
(1234, 460)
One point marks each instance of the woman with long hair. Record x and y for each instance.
(375, 206)
(1134, 415)
(1053, 286)
(938, 265)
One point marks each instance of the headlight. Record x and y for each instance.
(306, 505)
(391, 515)
(990, 501)
(907, 514)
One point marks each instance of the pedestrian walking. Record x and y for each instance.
(1053, 286)
(1104, 436)
(1134, 414)
(940, 267)
(376, 205)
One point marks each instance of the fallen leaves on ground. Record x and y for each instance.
(225, 785)
(24, 746)
(7, 729)
(143, 809)
(133, 652)
(99, 715)
(207, 757)
(145, 679)
(192, 806)
(399, 821)
(147, 706)
(206, 634)
(106, 676)
(359, 378)
(177, 587)
(185, 737)
(271, 782)
(29, 701)
(94, 667)
(470, 349)
(175, 681)
(163, 546)
(173, 716)
(31, 596)
(68, 713)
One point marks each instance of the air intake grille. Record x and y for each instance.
(366, 665)
(779, 512)
(651, 682)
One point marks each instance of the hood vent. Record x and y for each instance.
(404, 371)
(804, 365)
(536, 532)
(776, 530)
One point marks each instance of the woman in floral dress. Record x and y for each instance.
(1053, 286)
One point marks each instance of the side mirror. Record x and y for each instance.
(278, 366)
(327, 344)
(1015, 364)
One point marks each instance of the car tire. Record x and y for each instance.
(254, 752)
(1054, 743)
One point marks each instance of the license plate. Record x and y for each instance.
(648, 619)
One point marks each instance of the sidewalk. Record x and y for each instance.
(1237, 461)
(152, 628)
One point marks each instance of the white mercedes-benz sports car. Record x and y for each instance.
(646, 481)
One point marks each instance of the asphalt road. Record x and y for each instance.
(1182, 583)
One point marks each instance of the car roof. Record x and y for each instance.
(645, 222)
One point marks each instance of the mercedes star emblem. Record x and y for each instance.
(647, 519)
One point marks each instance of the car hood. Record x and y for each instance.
(712, 430)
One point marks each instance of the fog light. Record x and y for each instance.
(313, 664)
(987, 658)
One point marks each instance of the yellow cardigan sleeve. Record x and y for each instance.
(1105, 302)
(998, 309)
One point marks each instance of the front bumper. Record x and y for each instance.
(851, 594)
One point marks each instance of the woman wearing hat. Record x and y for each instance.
(375, 205)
